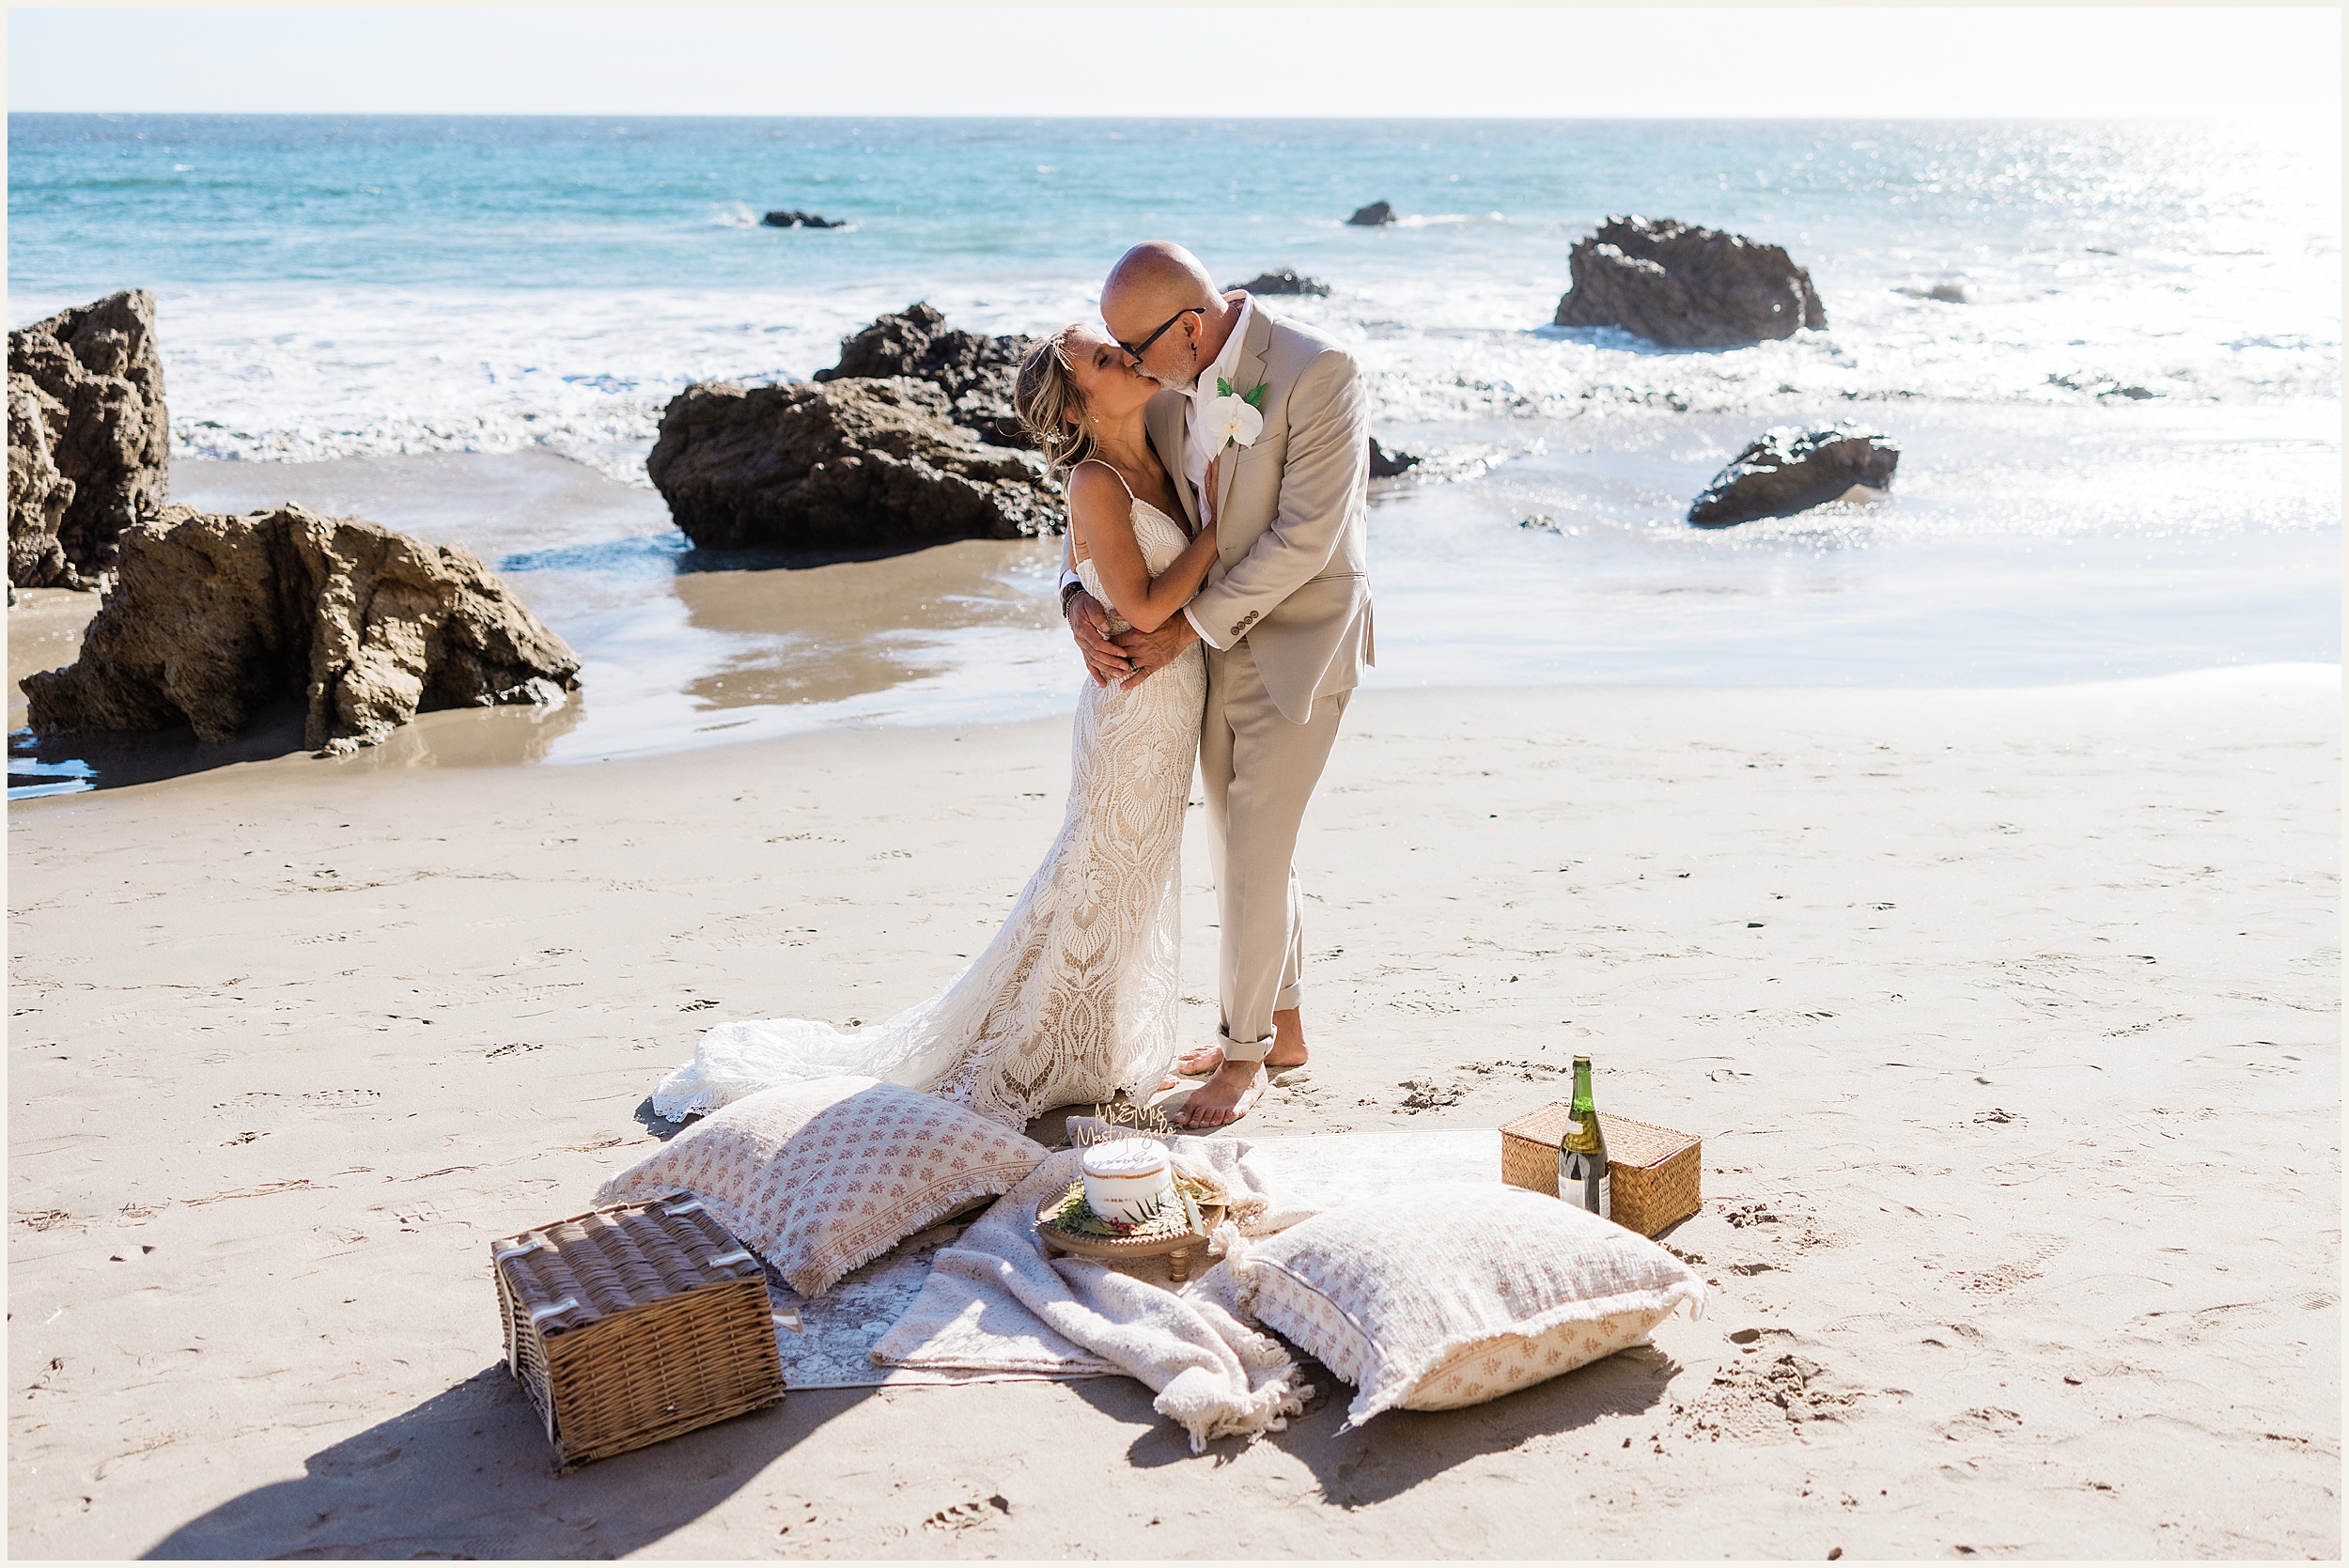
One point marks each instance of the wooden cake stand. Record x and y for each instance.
(1174, 1246)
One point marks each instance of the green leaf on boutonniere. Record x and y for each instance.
(1222, 387)
(1254, 399)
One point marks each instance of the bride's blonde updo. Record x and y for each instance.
(1051, 404)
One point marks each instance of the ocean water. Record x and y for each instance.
(392, 284)
(2121, 450)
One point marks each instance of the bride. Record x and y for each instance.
(1074, 1001)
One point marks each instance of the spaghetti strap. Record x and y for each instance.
(1102, 462)
(1078, 532)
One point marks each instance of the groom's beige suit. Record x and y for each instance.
(1286, 616)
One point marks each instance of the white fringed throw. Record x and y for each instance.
(996, 1302)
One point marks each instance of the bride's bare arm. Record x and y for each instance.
(1100, 508)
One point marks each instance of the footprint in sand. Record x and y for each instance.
(2000, 1278)
(962, 1515)
(1427, 1094)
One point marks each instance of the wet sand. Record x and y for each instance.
(2019, 547)
(682, 647)
(2009, 1020)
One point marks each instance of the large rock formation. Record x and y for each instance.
(840, 464)
(1372, 216)
(89, 444)
(1286, 280)
(215, 616)
(977, 372)
(1681, 286)
(1787, 471)
(38, 494)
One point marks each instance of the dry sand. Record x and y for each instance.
(2009, 1020)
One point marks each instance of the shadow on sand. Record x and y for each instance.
(465, 1474)
(1400, 1449)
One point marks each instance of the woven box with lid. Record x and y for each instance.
(635, 1323)
(1655, 1174)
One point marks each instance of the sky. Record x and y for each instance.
(1660, 61)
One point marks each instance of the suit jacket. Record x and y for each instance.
(1290, 574)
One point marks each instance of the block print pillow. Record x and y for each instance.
(1457, 1293)
(819, 1177)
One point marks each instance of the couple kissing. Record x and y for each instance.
(1217, 465)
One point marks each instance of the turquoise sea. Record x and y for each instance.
(2122, 449)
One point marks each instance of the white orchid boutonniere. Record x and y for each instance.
(1236, 417)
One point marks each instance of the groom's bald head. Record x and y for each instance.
(1155, 279)
(1150, 285)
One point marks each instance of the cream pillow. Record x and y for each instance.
(1456, 1293)
(819, 1177)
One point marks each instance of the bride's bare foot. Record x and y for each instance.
(1191, 1064)
(1288, 1049)
(1224, 1098)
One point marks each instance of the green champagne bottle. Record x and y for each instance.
(1583, 1152)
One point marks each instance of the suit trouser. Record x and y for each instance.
(1259, 769)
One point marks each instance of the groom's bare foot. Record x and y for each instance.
(1229, 1094)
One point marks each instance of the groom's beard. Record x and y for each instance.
(1174, 383)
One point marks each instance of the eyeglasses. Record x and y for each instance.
(1138, 349)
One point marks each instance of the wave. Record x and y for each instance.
(282, 373)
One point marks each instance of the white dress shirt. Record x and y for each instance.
(1199, 447)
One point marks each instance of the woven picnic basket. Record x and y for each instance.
(1656, 1173)
(634, 1324)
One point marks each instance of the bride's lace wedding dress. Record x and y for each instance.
(1074, 999)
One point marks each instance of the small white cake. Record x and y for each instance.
(1127, 1179)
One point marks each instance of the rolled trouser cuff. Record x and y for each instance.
(1244, 1050)
(1290, 998)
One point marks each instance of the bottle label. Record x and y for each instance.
(1578, 1186)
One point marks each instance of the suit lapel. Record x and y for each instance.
(1164, 419)
(1248, 373)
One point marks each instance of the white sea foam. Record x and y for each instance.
(284, 372)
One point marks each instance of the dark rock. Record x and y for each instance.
(1372, 216)
(89, 441)
(1681, 286)
(2100, 386)
(1385, 464)
(1787, 471)
(1287, 280)
(977, 372)
(842, 464)
(801, 220)
(215, 616)
(38, 494)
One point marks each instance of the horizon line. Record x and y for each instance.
(2206, 119)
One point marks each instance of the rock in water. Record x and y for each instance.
(799, 220)
(89, 443)
(1287, 280)
(1372, 216)
(1385, 464)
(842, 464)
(1787, 471)
(977, 372)
(213, 617)
(1681, 286)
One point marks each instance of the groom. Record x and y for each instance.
(1285, 612)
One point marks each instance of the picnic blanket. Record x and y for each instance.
(995, 1304)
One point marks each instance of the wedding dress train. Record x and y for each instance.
(1074, 999)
